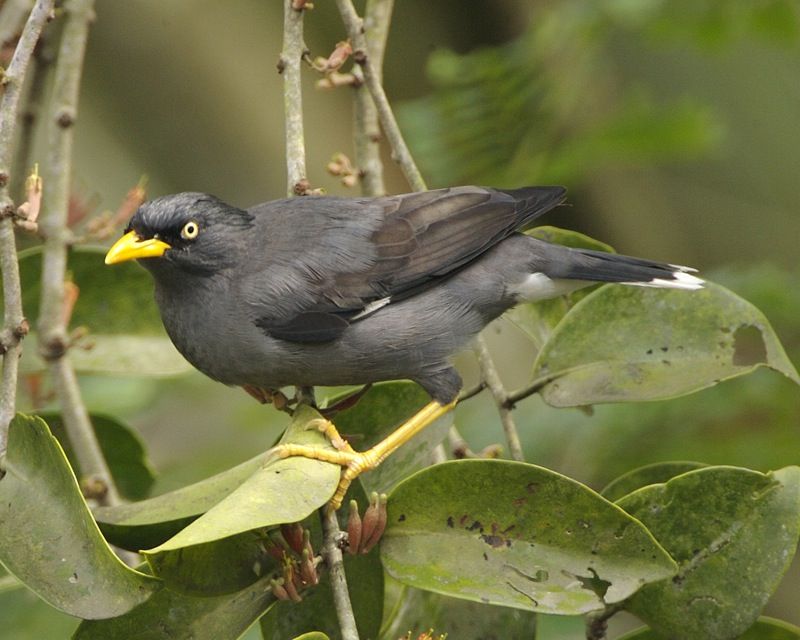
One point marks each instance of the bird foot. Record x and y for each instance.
(354, 463)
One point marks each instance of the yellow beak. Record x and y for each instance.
(129, 247)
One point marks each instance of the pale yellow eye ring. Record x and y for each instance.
(190, 230)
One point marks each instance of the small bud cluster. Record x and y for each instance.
(364, 533)
(340, 165)
(291, 547)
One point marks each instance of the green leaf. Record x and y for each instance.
(382, 409)
(48, 538)
(146, 524)
(168, 615)
(646, 475)
(122, 449)
(313, 635)
(733, 533)
(418, 611)
(652, 344)
(116, 305)
(539, 319)
(278, 491)
(516, 535)
(215, 568)
(26, 617)
(765, 628)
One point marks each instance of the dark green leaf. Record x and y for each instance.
(48, 538)
(170, 616)
(643, 476)
(313, 635)
(278, 491)
(516, 535)
(116, 305)
(382, 409)
(733, 533)
(654, 343)
(146, 524)
(316, 612)
(765, 628)
(215, 568)
(122, 448)
(418, 611)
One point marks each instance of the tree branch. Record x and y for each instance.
(495, 385)
(377, 17)
(12, 17)
(361, 55)
(332, 554)
(53, 338)
(14, 324)
(294, 49)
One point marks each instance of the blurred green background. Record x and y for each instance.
(672, 122)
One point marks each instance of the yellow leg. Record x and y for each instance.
(354, 462)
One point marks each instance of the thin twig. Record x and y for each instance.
(400, 152)
(495, 385)
(14, 325)
(520, 394)
(53, 339)
(377, 17)
(332, 553)
(294, 49)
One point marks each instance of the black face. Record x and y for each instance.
(204, 233)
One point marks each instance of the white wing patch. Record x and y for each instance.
(538, 286)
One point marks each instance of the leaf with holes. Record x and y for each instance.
(48, 538)
(516, 535)
(733, 533)
(654, 343)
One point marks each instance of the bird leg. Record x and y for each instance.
(356, 462)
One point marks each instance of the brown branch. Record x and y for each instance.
(495, 386)
(377, 17)
(14, 324)
(361, 54)
(294, 49)
(53, 339)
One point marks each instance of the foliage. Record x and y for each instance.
(471, 546)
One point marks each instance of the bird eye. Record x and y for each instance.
(190, 230)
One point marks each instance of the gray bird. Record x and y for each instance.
(346, 291)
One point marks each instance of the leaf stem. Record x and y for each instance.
(291, 57)
(362, 56)
(53, 338)
(495, 386)
(377, 17)
(332, 554)
(14, 324)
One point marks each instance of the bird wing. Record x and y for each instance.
(349, 258)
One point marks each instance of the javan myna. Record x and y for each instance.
(345, 291)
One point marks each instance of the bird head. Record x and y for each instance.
(186, 232)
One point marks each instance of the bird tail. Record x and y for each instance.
(598, 266)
